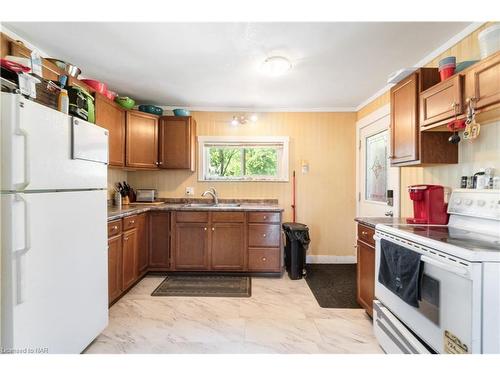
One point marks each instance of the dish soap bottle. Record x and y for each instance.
(63, 101)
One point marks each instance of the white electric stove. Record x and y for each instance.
(459, 306)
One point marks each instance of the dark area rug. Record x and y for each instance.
(333, 285)
(204, 286)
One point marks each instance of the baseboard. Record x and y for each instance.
(331, 259)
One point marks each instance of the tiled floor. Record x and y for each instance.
(282, 316)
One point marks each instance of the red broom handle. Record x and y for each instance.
(293, 197)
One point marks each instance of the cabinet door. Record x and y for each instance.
(404, 120)
(441, 102)
(141, 140)
(228, 246)
(142, 244)
(129, 267)
(366, 276)
(159, 239)
(191, 246)
(177, 138)
(486, 82)
(114, 267)
(112, 117)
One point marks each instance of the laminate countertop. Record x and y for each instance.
(372, 221)
(116, 213)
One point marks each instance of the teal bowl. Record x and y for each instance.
(181, 112)
(464, 65)
(149, 108)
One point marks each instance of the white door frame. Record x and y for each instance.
(380, 113)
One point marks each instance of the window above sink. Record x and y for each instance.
(228, 158)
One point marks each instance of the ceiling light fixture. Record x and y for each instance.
(275, 66)
(243, 119)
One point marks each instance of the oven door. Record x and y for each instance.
(448, 316)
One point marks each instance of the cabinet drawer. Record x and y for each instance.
(228, 217)
(264, 235)
(264, 259)
(365, 234)
(264, 217)
(191, 217)
(114, 227)
(130, 222)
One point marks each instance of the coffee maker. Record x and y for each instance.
(429, 206)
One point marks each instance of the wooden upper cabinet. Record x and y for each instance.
(159, 240)
(404, 120)
(441, 102)
(141, 150)
(111, 116)
(483, 82)
(177, 142)
(228, 246)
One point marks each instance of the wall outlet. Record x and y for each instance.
(189, 190)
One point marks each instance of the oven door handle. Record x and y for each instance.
(457, 270)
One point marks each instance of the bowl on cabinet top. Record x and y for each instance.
(181, 112)
(125, 102)
(98, 86)
(149, 108)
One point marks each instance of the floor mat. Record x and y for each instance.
(204, 286)
(333, 285)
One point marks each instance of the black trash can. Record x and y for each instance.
(297, 242)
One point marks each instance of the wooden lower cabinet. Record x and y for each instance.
(129, 256)
(191, 246)
(228, 246)
(114, 267)
(159, 240)
(142, 244)
(365, 273)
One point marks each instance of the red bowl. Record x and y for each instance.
(99, 87)
(446, 73)
(111, 95)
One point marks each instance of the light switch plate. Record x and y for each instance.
(189, 190)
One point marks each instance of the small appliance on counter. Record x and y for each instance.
(146, 195)
(429, 205)
(81, 104)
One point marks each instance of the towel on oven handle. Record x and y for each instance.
(400, 271)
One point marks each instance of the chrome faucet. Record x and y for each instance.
(213, 193)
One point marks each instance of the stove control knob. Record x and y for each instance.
(481, 203)
(468, 202)
(457, 201)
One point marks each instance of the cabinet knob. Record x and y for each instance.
(132, 221)
(264, 259)
(205, 228)
(213, 229)
(364, 233)
(264, 235)
(265, 217)
(125, 238)
(115, 227)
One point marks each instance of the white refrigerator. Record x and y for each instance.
(54, 293)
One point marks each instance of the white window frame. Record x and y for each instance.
(284, 162)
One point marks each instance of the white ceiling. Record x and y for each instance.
(217, 64)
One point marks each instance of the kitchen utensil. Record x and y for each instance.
(125, 102)
(455, 138)
(98, 86)
(111, 95)
(489, 40)
(72, 70)
(81, 103)
(15, 66)
(148, 108)
(181, 112)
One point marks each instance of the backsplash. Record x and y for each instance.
(481, 153)
(114, 176)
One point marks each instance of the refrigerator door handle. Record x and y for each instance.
(23, 185)
(19, 253)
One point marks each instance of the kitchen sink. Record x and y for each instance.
(212, 205)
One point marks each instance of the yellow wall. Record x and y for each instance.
(325, 196)
(482, 153)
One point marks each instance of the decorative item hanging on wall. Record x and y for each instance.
(472, 128)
